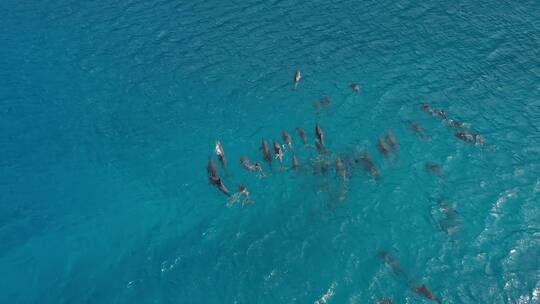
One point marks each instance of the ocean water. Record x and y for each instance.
(109, 112)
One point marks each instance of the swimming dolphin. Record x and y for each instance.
(322, 103)
(471, 138)
(214, 179)
(211, 169)
(302, 135)
(295, 163)
(320, 134)
(416, 128)
(391, 262)
(423, 291)
(368, 165)
(278, 152)
(466, 137)
(447, 217)
(434, 168)
(245, 163)
(356, 88)
(245, 193)
(257, 167)
(324, 166)
(340, 168)
(427, 108)
(455, 124)
(220, 153)
(442, 114)
(382, 147)
(391, 140)
(287, 139)
(250, 167)
(325, 101)
(266, 153)
(297, 78)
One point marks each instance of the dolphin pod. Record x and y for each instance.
(387, 146)
(344, 166)
(419, 289)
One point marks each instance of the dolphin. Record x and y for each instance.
(302, 135)
(356, 88)
(245, 163)
(441, 114)
(295, 163)
(214, 179)
(220, 153)
(278, 152)
(423, 291)
(416, 128)
(427, 108)
(320, 134)
(297, 78)
(340, 168)
(266, 153)
(392, 263)
(435, 169)
(391, 140)
(245, 193)
(369, 166)
(287, 139)
(382, 147)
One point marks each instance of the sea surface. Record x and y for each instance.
(110, 110)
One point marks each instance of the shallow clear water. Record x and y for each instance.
(109, 113)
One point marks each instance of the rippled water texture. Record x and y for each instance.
(110, 111)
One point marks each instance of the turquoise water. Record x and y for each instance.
(110, 111)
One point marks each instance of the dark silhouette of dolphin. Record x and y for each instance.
(287, 139)
(382, 147)
(214, 179)
(302, 135)
(423, 291)
(320, 134)
(391, 140)
(266, 153)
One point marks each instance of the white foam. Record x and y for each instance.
(329, 293)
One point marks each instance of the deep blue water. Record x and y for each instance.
(110, 110)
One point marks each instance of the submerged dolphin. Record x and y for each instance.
(266, 153)
(391, 140)
(214, 179)
(302, 135)
(287, 139)
(423, 291)
(382, 147)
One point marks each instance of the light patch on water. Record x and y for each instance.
(131, 284)
(166, 266)
(537, 186)
(519, 172)
(501, 200)
(270, 275)
(354, 299)
(525, 299)
(536, 293)
(329, 293)
(233, 199)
